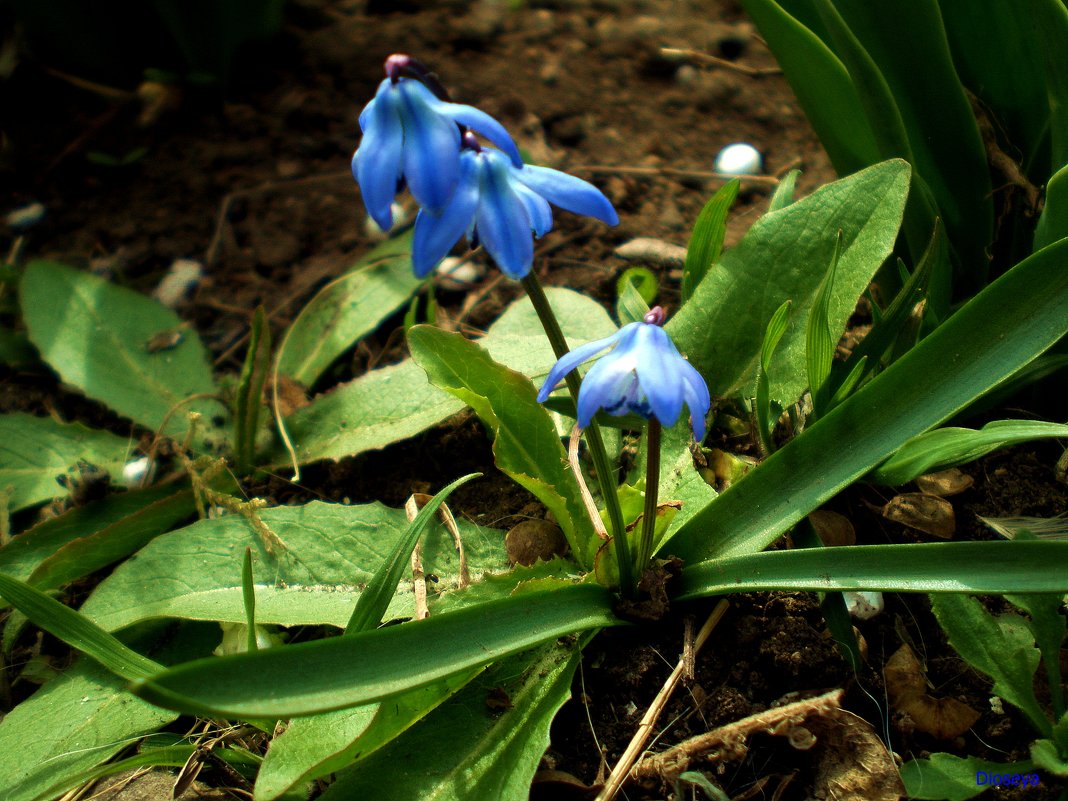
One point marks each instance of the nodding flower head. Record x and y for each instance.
(643, 374)
(411, 135)
(498, 204)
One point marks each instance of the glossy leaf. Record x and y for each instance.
(784, 256)
(348, 309)
(947, 447)
(937, 567)
(1003, 328)
(706, 240)
(1053, 224)
(331, 550)
(945, 777)
(35, 450)
(500, 750)
(115, 345)
(361, 668)
(526, 445)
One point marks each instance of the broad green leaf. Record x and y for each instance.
(706, 241)
(784, 256)
(397, 402)
(1053, 224)
(331, 551)
(1002, 647)
(76, 721)
(102, 339)
(315, 746)
(1049, 29)
(1001, 329)
(35, 450)
(499, 752)
(1048, 627)
(377, 594)
(935, 567)
(946, 447)
(173, 756)
(357, 669)
(348, 309)
(248, 401)
(76, 630)
(822, 85)
(526, 445)
(1046, 756)
(945, 777)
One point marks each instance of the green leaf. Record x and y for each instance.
(822, 85)
(947, 447)
(331, 551)
(1046, 756)
(1001, 329)
(397, 402)
(1002, 647)
(772, 334)
(499, 751)
(934, 567)
(1053, 223)
(74, 722)
(945, 777)
(380, 590)
(784, 192)
(706, 241)
(173, 756)
(35, 450)
(820, 340)
(101, 338)
(679, 480)
(634, 296)
(1049, 28)
(1048, 627)
(348, 309)
(15, 349)
(249, 398)
(76, 630)
(784, 256)
(360, 668)
(526, 445)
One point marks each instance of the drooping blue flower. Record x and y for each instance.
(643, 374)
(411, 134)
(498, 204)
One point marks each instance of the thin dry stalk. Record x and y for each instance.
(706, 60)
(584, 491)
(731, 738)
(645, 729)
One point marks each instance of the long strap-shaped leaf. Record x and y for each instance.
(360, 668)
(980, 567)
(1001, 329)
(76, 630)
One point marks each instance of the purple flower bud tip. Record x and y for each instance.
(655, 316)
(396, 64)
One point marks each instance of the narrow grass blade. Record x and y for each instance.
(1000, 330)
(248, 591)
(820, 341)
(380, 590)
(339, 672)
(784, 192)
(249, 398)
(706, 241)
(938, 567)
(77, 631)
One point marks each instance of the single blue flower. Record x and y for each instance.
(409, 133)
(644, 374)
(498, 203)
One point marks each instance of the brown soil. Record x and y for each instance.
(258, 188)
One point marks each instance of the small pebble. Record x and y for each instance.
(25, 216)
(376, 234)
(458, 273)
(739, 159)
(863, 605)
(653, 251)
(137, 473)
(179, 281)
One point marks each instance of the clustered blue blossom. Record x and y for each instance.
(411, 136)
(643, 374)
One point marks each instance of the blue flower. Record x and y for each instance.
(410, 134)
(644, 374)
(498, 203)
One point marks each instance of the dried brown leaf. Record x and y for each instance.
(926, 513)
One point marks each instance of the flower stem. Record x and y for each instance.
(601, 463)
(652, 486)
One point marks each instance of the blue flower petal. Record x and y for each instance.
(502, 222)
(609, 385)
(695, 391)
(569, 361)
(435, 234)
(658, 372)
(481, 122)
(431, 147)
(568, 192)
(377, 163)
(538, 209)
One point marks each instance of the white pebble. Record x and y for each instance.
(654, 251)
(137, 473)
(739, 159)
(376, 234)
(863, 605)
(458, 273)
(180, 279)
(25, 216)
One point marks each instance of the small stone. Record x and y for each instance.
(685, 75)
(653, 251)
(376, 234)
(458, 273)
(25, 216)
(534, 540)
(180, 280)
(739, 159)
(138, 472)
(863, 605)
